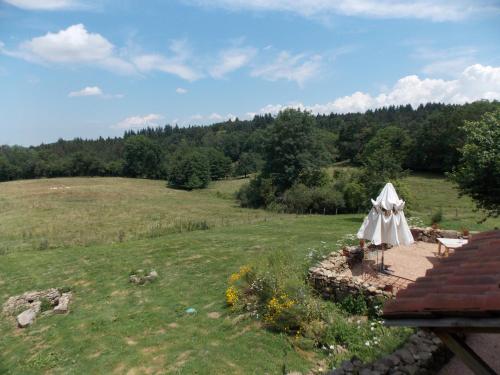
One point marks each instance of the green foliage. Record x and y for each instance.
(220, 165)
(45, 305)
(383, 158)
(142, 157)
(189, 169)
(291, 149)
(259, 192)
(478, 172)
(274, 290)
(437, 216)
(249, 162)
(435, 130)
(354, 305)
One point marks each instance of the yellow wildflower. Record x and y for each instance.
(231, 296)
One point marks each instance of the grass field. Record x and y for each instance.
(46, 213)
(432, 192)
(115, 327)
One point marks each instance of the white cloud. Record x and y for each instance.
(71, 46)
(446, 62)
(139, 122)
(434, 10)
(299, 68)
(177, 64)
(474, 83)
(44, 4)
(87, 91)
(231, 60)
(94, 91)
(180, 90)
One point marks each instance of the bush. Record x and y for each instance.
(189, 169)
(354, 305)
(274, 290)
(437, 217)
(259, 192)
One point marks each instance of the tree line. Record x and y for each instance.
(428, 136)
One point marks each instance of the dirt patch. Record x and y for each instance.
(213, 315)
(119, 293)
(83, 283)
(120, 369)
(180, 361)
(209, 305)
(95, 355)
(149, 350)
(130, 341)
(140, 370)
(245, 329)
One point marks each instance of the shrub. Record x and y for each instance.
(189, 169)
(259, 192)
(354, 305)
(437, 217)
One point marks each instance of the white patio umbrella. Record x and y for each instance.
(386, 221)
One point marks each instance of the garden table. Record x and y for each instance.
(449, 243)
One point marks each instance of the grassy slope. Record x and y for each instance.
(88, 211)
(115, 326)
(433, 192)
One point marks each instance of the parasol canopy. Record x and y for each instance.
(386, 221)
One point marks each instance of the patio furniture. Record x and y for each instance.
(449, 243)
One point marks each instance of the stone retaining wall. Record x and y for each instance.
(328, 280)
(422, 354)
(431, 235)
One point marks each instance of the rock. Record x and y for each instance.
(26, 318)
(411, 369)
(381, 367)
(63, 305)
(449, 234)
(405, 355)
(392, 360)
(347, 365)
(365, 371)
(425, 356)
(136, 279)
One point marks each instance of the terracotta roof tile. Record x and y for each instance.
(467, 283)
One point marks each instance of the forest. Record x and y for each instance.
(190, 157)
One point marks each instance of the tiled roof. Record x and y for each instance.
(465, 284)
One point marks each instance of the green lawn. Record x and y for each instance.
(115, 327)
(432, 192)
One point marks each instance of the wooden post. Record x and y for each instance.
(460, 348)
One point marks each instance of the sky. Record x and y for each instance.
(90, 68)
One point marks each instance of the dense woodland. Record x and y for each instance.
(190, 157)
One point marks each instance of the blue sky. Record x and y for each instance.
(89, 68)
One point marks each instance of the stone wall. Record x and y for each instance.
(422, 354)
(329, 279)
(431, 235)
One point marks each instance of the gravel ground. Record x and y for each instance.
(404, 264)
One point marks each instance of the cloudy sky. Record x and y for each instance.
(89, 68)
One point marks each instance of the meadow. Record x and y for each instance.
(89, 233)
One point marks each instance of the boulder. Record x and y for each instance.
(63, 305)
(26, 318)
